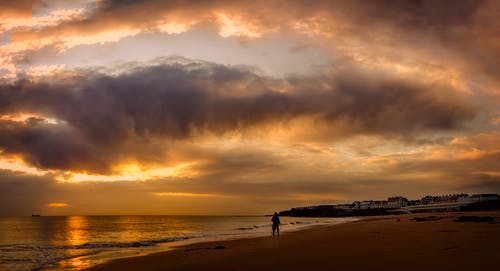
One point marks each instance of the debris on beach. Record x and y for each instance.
(427, 218)
(219, 247)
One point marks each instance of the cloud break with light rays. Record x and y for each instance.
(214, 107)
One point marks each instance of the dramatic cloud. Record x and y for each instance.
(101, 119)
(407, 35)
(201, 104)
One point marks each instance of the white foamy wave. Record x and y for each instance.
(144, 243)
(29, 257)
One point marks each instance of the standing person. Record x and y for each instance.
(276, 223)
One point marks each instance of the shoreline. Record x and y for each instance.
(238, 230)
(372, 242)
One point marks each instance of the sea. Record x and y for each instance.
(79, 242)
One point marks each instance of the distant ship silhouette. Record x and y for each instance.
(35, 215)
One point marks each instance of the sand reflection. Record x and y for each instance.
(75, 264)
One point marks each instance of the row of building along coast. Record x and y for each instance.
(399, 204)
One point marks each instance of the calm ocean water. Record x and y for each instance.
(77, 242)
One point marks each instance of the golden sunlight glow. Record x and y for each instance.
(57, 204)
(180, 194)
(77, 230)
(76, 264)
(22, 117)
(210, 107)
(459, 148)
(17, 164)
(9, 51)
(45, 70)
(491, 173)
(101, 37)
(173, 28)
(314, 26)
(234, 26)
(132, 172)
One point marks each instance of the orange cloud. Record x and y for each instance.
(23, 117)
(132, 172)
(183, 194)
(236, 26)
(57, 204)
(495, 121)
(18, 165)
(53, 18)
(45, 70)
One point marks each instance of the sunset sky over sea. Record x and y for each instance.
(244, 107)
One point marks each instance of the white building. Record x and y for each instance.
(397, 202)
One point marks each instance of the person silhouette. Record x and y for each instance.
(276, 223)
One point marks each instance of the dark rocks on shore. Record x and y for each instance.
(427, 218)
(333, 211)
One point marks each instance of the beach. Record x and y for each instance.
(432, 241)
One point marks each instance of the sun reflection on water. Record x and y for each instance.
(77, 230)
(77, 233)
(75, 264)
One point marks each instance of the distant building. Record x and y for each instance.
(444, 198)
(414, 202)
(451, 201)
(483, 197)
(390, 203)
(378, 204)
(396, 202)
(363, 205)
(427, 200)
(463, 197)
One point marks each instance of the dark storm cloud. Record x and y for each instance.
(104, 118)
(53, 147)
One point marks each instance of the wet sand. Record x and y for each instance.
(375, 243)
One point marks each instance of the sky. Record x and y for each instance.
(244, 107)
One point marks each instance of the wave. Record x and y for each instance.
(24, 257)
(145, 243)
(262, 225)
(245, 229)
(39, 257)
